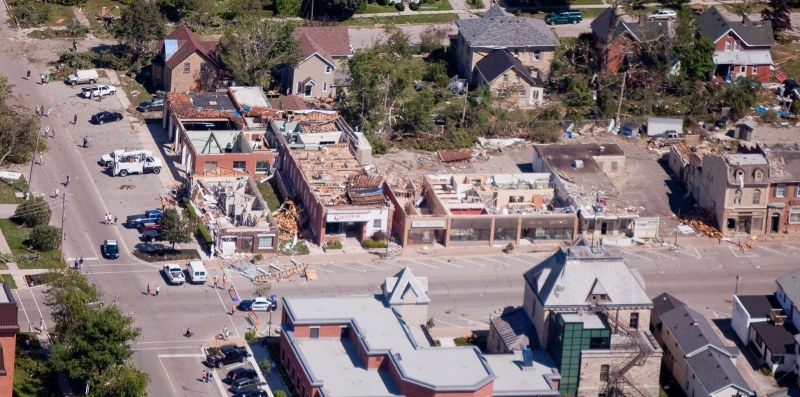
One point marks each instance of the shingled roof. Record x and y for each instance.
(500, 61)
(187, 44)
(638, 32)
(496, 28)
(327, 41)
(714, 26)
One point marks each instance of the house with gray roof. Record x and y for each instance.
(514, 84)
(701, 364)
(529, 40)
(623, 39)
(741, 47)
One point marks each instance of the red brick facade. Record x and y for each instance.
(9, 327)
(731, 42)
(783, 201)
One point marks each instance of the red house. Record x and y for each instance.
(623, 39)
(741, 47)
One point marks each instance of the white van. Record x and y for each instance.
(83, 77)
(197, 272)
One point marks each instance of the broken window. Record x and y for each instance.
(757, 196)
(737, 197)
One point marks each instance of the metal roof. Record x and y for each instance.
(746, 58)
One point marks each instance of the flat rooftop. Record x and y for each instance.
(336, 176)
(588, 319)
(512, 377)
(250, 97)
(759, 306)
(383, 333)
(746, 159)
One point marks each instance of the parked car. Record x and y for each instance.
(100, 90)
(174, 274)
(148, 217)
(662, 14)
(104, 117)
(561, 17)
(153, 104)
(252, 393)
(245, 384)
(82, 77)
(258, 304)
(241, 373)
(227, 355)
(110, 249)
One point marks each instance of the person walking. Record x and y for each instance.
(216, 282)
(54, 132)
(203, 376)
(75, 265)
(42, 78)
(46, 131)
(37, 111)
(233, 309)
(47, 78)
(41, 158)
(115, 220)
(148, 289)
(57, 191)
(80, 263)
(49, 109)
(41, 325)
(225, 332)
(163, 204)
(41, 111)
(66, 184)
(29, 75)
(85, 141)
(157, 289)
(210, 376)
(75, 119)
(224, 281)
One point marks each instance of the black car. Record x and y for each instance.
(252, 393)
(153, 104)
(241, 373)
(103, 117)
(110, 249)
(245, 384)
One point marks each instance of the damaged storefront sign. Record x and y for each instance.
(428, 224)
(348, 216)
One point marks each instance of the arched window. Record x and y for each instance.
(757, 195)
(758, 175)
(737, 197)
(738, 174)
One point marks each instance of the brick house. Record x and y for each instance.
(510, 80)
(220, 129)
(529, 40)
(623, 39)
(185, 62)
(322, 51)
(783, 203)
(9, 327)
(741, 48)
(361, 345)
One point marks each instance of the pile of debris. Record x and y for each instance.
(702, 222)
(288, 219)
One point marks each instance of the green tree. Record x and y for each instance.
(140, 26)
(289, 8)
(695, 54)
(416, 116)
(780, 13)
(263, 289)
(45, 237)
(34, 212)
(342, 9)
(175, 230)
(253, 49)
(68, 296)
(741, 96)
(280, 393)
(121, 381)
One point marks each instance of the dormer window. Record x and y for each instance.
(758, 175)
(598, 298)
(739, 174)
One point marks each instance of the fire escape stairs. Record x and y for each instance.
(617, 378)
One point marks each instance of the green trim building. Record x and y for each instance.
(569, 334)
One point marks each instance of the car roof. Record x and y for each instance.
(171, 265)
(260, 299)
(111, 242)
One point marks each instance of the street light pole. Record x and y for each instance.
(33, 161)
(63, 219)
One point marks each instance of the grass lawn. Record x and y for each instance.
(167, 255)
(782, 52)
(591, 12)
(440, 5)
(402, 19)
(136, 92)
(585, 2)
(92, 10)
(9, 280)
(375, 8)
(270, 195)
(60, 15)
(18, 240)
(8, 188)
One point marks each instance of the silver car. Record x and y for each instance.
(662, 14)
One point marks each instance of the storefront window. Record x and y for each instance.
(506, 229)
(335, 228)
(547, 233)
(425, 236)
(265, 242)
(474, 229)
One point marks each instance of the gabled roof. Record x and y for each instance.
(759, 306)
(715, 372)
(514, 328)
(187, 44)
(714, 26)
(691, 330)
(289, 102)
(396, 288)
(496, 29)
(495, 11)
(638, 32)
(501, 61)
(662, 304)
(327, 41)
(567, 277)
(778, 338)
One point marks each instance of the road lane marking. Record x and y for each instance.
(319, 268)
(19, 299)
(697, 256)
(345, 267)
(492, 260)
(179, 355)
(520, 260)
(162, 348)
(768, 249)
(125, 271)
(364, 264)
(436, 321)
(751, 255)
(474, 263)
(167, 341)
(473, 321)
(420, 263)
(225, 306)
(86, 259)
(639, 256)
(789, 246)
(37, 304)
(167, 373)
(665, 256)
(446, 263)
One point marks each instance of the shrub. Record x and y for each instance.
(400, 7)
(34, 212)
(461, 341)
(765, 370)
(334, 245)
(413, 6)
(379, 235)
(45, 237)
(30, 14)
(250, 337)
(383, 2)
(370, 243)
(430, 324)
(771, 116)
(266, 367)
(201, 227)
(280, 393)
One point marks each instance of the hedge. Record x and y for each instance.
(399, 6)
(201, 227)
(370, 243)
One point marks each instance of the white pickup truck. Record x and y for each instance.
(174, 274)
(100, 90)
(150, 164)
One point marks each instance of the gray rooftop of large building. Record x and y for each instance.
(690, 329)
(662, 304)
(499, 29)
(790, 284)
(746, 159)
(588, 319)
(514, 380)
(715, 371)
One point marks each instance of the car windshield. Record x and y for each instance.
(112, 248)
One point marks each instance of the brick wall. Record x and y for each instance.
(9, 342)
(185, 82)
(790, 200)
(412, 390)
(295, 370)
(645, 376)
(227, 159)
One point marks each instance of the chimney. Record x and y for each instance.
(745, 20)
(694, 322)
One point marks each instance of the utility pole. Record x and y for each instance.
(63, 219)
(621, 95)
(464, 109)
(33, 161)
